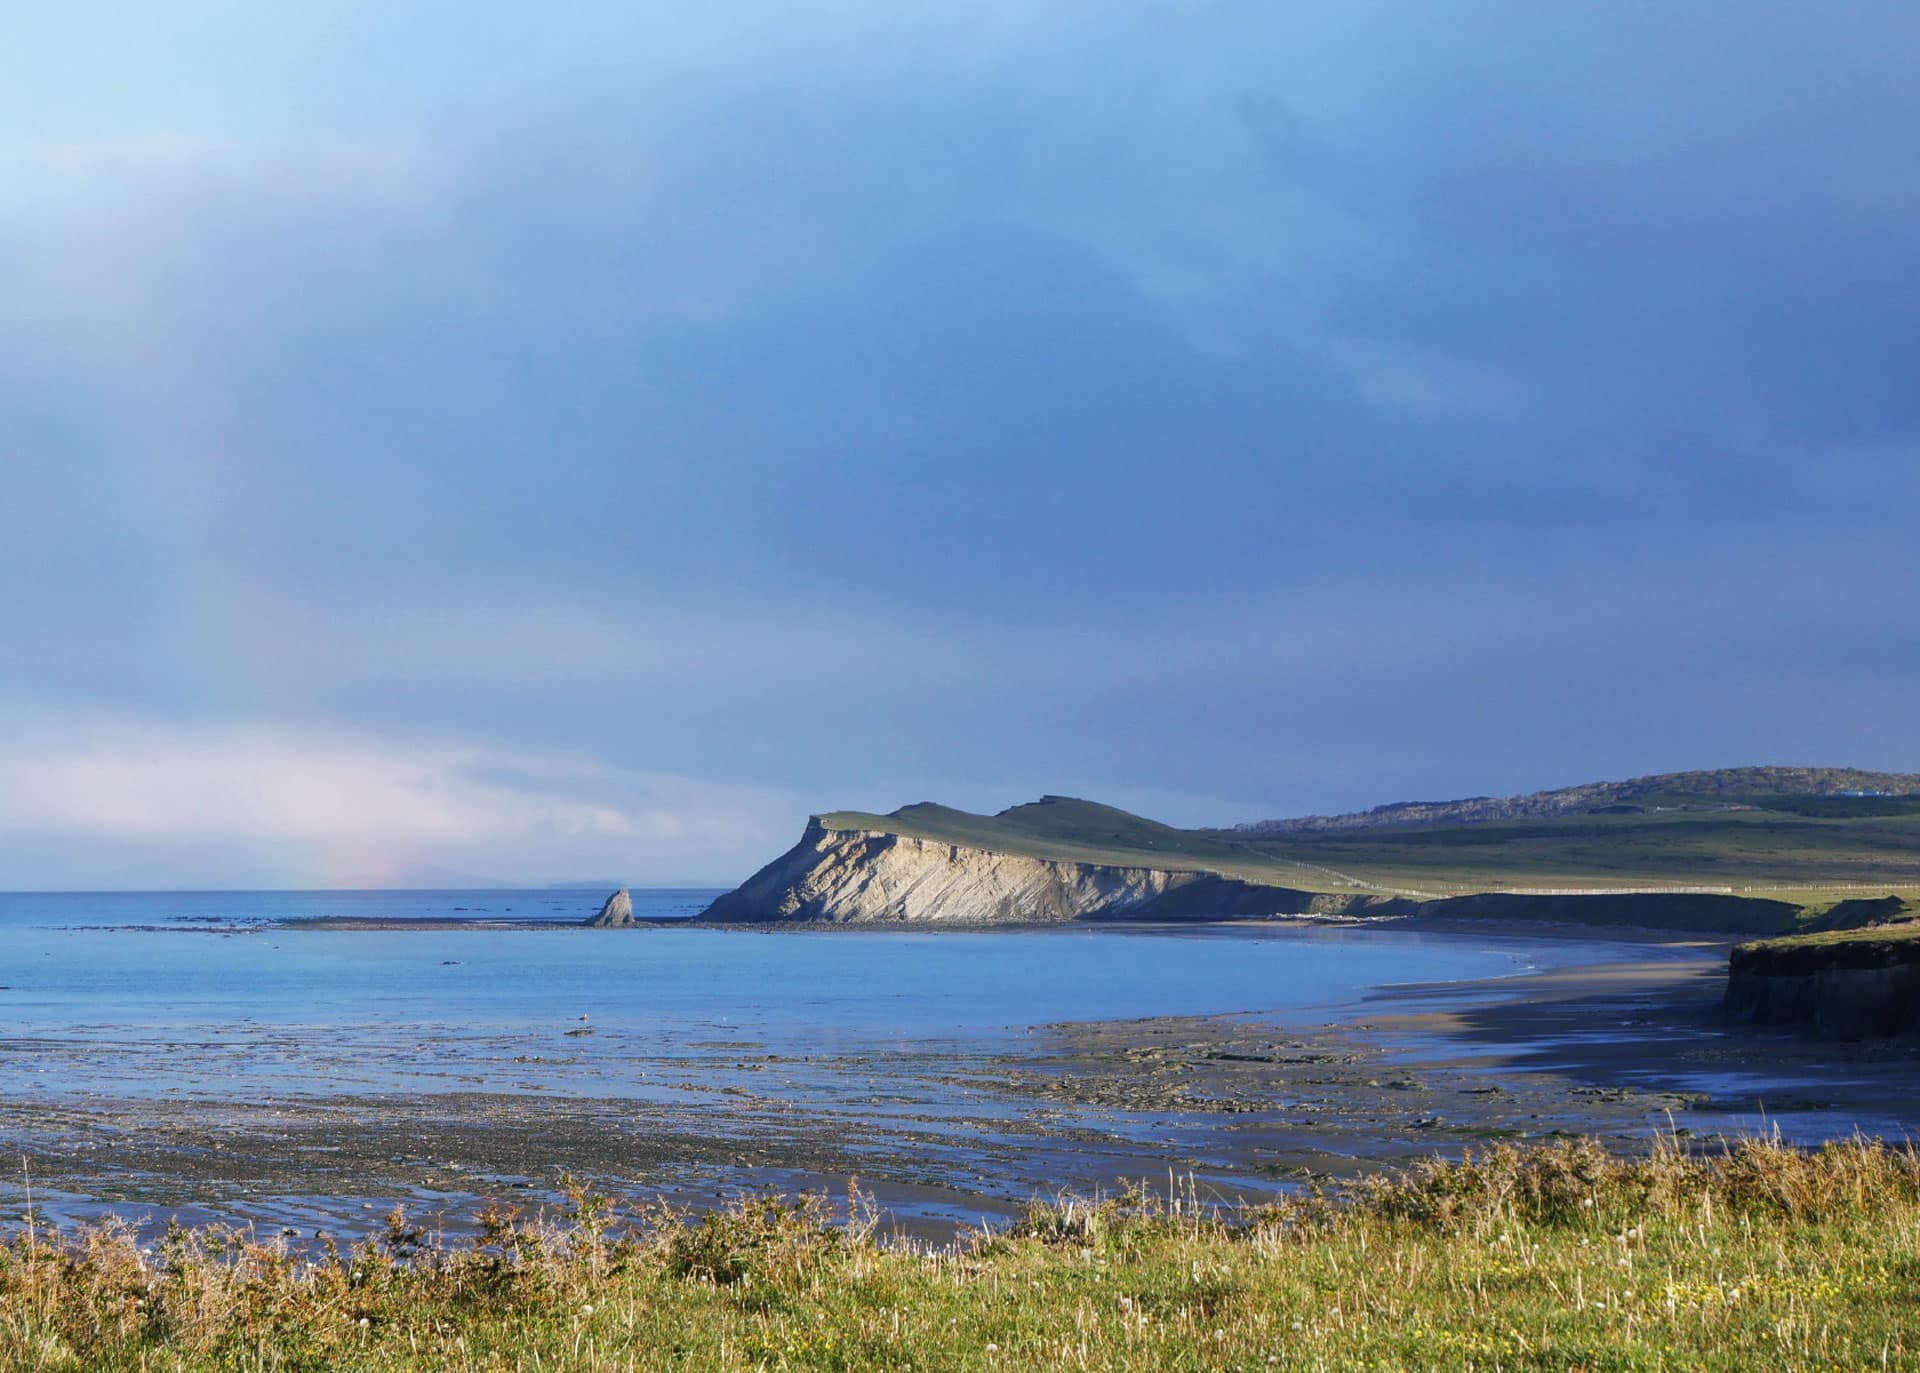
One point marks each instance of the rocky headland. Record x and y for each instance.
(1060, 859)
(848, 876)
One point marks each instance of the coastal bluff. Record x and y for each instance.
(1062, 859)
(1862, 984)
(871, 876)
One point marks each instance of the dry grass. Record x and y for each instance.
(1559, 1257)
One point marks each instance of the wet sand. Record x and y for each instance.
(947, 1137)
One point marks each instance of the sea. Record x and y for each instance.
(131, 993)
(203, 1055)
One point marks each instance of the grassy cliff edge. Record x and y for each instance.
(1852, 983)
(1062, 858)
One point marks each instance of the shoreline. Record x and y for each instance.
(1243, 1103)
(1423, 924)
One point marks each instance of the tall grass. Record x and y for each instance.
(1563, 1256)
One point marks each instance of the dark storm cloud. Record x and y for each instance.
(1241, 409)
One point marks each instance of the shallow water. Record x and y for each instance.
(200, 993)
(190, 1054)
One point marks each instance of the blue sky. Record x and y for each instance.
(580, 442)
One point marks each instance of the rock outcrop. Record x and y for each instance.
(839, 876)
(617, 912)
(1865, 986)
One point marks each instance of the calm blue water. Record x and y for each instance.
(144, 993)
(243, 908)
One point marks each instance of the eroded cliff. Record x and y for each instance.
(1855, 987)
(839, 875)
(867, 876)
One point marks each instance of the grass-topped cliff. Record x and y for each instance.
(1066, 829)
(1755, 850)
(1856, 975)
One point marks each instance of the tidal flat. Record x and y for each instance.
(713, 1065)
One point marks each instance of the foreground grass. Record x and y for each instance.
(1557, 1257)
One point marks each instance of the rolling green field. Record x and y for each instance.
(1558, 1257)
(1765, 849)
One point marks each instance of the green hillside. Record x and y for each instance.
(1813, 848)
(1802, 790)
(1770, 846)
(1073, 831)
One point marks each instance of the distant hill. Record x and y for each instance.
(1830, 790)
(1064, 828)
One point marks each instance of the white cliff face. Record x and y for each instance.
(841, 876)
(871, 876)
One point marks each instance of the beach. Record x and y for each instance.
(949, 1132)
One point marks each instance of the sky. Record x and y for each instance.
(473, 440)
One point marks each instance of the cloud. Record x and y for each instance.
(1399, 377)
(344, 808)
(1230, 406)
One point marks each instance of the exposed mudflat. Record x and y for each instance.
(946, 1136)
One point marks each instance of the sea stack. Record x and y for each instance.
(617, 912)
